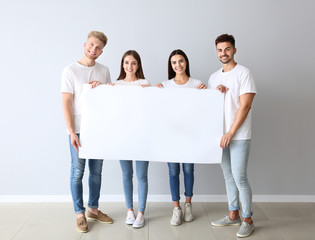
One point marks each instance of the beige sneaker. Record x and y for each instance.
(177, 216)
(82, 225)
(101, 217)
(188, 215)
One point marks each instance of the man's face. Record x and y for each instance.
(93, 48)
(225, 52)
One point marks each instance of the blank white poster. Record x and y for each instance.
(151, 124)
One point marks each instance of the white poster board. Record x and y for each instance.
(151, 124)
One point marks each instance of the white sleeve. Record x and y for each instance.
(147, 82)
(247, 83)
(107, 78)
(67, 81)
(198, 82)
(166, 83)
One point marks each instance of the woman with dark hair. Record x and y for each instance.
(179, 77)
(131, 74)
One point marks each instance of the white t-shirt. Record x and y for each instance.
(239, 81)
(73, 78)
(133, 83)
(191, 83)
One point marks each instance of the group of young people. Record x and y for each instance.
(233, 80)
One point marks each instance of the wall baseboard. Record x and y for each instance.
(153, 198)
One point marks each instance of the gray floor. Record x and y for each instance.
(45, 221)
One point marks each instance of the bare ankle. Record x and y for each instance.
(234, 215)
(78, 215)
(94, 211)
(248, 220)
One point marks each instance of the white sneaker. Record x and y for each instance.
(177, 216)
(188, 216)
(226, 221)
(245, 230)
(139, 222)
(130, 217)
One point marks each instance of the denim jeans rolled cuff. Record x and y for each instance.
(234, 165)
(174, 171)
(93, 207)
(77, 172)
(142, 177)
(190, 195)
(231, 208)
(247, 215)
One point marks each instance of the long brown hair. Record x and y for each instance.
(171, 73)
(139, 72)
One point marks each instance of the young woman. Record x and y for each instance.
(179, 77)
(131, 74)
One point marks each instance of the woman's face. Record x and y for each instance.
(130, 65)
(179, 64)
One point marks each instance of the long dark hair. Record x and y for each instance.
(171, 73)
(139, 72)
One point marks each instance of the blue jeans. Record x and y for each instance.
(142, 176)
(174, 170)
(234, 165)
(95, 179)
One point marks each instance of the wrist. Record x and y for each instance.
(231, 133)
(72, 132)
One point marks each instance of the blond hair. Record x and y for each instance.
(99, 35)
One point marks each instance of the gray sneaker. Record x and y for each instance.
(226, 221)
(177, 216)
(245, 230)
(188, 215)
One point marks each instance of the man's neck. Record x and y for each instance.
(229, 66)
(87, 62)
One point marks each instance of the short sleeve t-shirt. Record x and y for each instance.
(72, 80)
(191, 83)
(239, 81)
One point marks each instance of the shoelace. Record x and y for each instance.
(138, 218)
(245, 225)
(176, 214)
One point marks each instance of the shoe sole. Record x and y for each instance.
(176, 224)
(140, 226)
(225, 225)
(94, 219)
(82, 231)
(244, 236)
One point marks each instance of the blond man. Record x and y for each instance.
(86, 70)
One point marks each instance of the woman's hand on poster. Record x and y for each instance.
(159, 85)
(201, 86)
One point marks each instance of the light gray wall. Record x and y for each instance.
(274, 39)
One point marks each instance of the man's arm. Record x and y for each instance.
(67, 105)
(246, 101)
